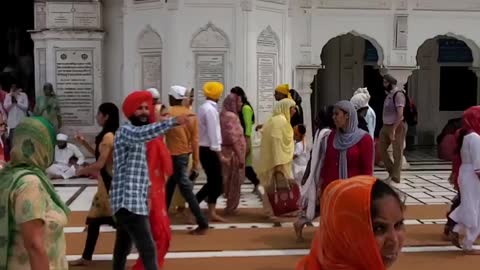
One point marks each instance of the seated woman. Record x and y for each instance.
(349, 149)
(362, 227)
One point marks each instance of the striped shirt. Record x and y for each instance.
(130, 171)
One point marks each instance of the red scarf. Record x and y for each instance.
(160, 167)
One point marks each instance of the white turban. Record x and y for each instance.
(154, 92)
(62, 137)
(363, 91)
(360, 101)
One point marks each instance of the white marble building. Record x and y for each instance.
(96, 51)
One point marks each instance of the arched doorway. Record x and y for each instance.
(348, 62)
(16, 46)
(444, 85)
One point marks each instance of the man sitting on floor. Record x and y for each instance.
(67, 158)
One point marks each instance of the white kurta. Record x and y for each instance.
(467, 215)
(299, 164)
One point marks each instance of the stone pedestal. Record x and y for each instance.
(68, 41)
(304, 76)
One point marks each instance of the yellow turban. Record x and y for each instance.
(213, 90)
(284, 89)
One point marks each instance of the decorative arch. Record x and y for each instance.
(375, 43)
(210, 37)
(268, 37)
(149, 39)
(470, 43)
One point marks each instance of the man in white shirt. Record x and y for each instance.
(210, 142)
(67, 158)
(16, 106)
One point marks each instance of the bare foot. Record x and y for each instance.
(455, 239)
(199, 231)
(216, 217)
(80, 262)
(298, 226)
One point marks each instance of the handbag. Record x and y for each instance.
(284, 199)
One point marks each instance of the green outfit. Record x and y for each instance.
(247, 113)
(26, 194)
(48, 108)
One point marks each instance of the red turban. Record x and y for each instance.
(134, 100)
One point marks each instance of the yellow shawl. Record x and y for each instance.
(277, 144)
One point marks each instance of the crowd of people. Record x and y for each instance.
(148, 166)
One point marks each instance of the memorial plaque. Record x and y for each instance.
(75, 86)
(208, 67)
(152, 71)
(266, 81)
(73, 15)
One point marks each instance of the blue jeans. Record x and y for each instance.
(180, 178)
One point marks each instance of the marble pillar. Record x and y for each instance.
(68, 43)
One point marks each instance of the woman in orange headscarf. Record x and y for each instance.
(160, 167)
(361, 227)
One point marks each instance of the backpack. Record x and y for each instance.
(410, 113)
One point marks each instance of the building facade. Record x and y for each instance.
(97, 51)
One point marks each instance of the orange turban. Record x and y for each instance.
(345, 238)
(284, 89)
(134, 100)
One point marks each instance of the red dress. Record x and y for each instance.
(359, 160)
(160, 167)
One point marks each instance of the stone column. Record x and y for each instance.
(68, 45)
(401, 73)
(304, 75)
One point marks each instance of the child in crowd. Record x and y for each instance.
(300, 156)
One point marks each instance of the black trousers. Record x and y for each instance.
(133, 228)
(213, 169)
(450, 222)
(251, 175)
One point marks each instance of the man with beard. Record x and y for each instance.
(67, 157)
(394, 128)
(130, 183)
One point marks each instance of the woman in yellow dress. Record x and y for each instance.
(100, 212)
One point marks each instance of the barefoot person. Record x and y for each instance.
(211, 147)
(466, 215)
(131, 180)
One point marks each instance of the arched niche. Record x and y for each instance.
(268, 70)
(150, 47)
(210, 46)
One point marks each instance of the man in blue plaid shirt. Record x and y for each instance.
(130, 184)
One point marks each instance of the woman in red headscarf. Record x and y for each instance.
(160, 168)
(361, 227)
(467, 214)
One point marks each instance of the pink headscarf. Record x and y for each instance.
(232, 129)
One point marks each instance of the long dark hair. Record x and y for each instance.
(113, 121)
(324, 119)
(239, 92)
(461, 135)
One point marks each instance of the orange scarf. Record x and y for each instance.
(345, 239)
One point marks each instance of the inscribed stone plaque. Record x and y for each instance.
(152, 71)
(208, 67)
(75, 86)
(42, 67)
(266, 81)
(72, 15)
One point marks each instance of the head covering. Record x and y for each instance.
(231, 103)
(348, 138)
(345, 238)
(296, 96)
(284, 89)
(277, 145)
(362, 91)
(134, 100)
(34, 142)
(471, 119)
(360, 101)
(48, 86)
(154, 92)
(283, 108)
(213, 90)
(62, 137)
(389, 78)
(179, 92)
